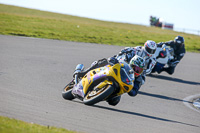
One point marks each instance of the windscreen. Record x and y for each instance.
(126, 73)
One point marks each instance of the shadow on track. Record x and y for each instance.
(139, 114)
(162, 97)
(173, 79)
(142, 115)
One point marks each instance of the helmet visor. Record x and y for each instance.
(179, 41)
(150, 51)
(137, 70)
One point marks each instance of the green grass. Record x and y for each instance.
(34, 23)
(8, 125)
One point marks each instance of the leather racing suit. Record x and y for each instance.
(139, 50)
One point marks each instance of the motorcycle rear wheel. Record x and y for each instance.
(67, 91)
(98, 95)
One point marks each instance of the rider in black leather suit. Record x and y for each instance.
(179, 51)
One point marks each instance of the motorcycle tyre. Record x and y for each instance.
(67, 94)
(101, 96)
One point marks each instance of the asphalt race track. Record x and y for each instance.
(34, 71)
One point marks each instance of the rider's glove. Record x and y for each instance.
(113, 60)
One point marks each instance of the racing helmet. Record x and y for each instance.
(179, 40)
(138, 64)
(150, 47)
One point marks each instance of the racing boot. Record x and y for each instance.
(134, 91)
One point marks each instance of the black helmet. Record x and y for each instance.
(179, 40)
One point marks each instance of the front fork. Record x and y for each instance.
(77, 91)
(79, 68)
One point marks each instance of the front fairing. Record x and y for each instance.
(125, 78)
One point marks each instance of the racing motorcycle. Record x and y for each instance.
(163, 55)
(100, 84)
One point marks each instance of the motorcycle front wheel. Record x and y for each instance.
(98, 94)
(67, 91)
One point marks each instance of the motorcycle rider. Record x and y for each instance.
(179, 51)
(147, 52)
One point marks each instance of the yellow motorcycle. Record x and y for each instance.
(100, 84)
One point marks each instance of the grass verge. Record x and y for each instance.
(34, 23)
(8, 125)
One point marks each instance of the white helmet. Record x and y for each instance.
(150, 47)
